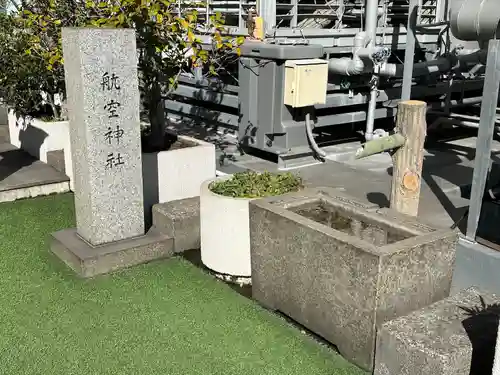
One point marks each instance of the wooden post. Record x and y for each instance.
(408, 159)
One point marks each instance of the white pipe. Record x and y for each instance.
(370, 115)
(314, 146)
(351, 66)
(409, 60)
(371, 22)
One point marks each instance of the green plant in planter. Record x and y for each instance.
(257, 185)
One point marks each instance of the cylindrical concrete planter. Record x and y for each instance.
(225, 235)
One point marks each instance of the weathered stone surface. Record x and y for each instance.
(4, 134)
(455, 336)
(88, 260)
(56, 160)
(343, 283)
(179, 220)
(103, 104)
(4, 113)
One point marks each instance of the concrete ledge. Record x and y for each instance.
(34, 191)
(476, 265)
(179, 220)
(455, 336)
(88, 261)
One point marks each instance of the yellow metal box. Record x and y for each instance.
(306, 82)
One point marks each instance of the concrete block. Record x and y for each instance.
(179, 220)
(88, 260)
(455, 336)
(341, 267)
(56, 160)
(178, 172)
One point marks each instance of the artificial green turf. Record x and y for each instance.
(164, 318)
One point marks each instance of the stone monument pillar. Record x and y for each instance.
(103, 103)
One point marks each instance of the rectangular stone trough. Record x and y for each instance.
(341, 267)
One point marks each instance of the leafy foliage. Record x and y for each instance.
(166, 36)
(167, 39)
(18, 78)
(169, 44)
(257, 185)
(32, 71)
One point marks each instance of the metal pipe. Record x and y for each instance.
(370, 115)
(457, 103)
(351, 66)
(419, 69)
(347, 66)
(465, 117)
(463, 123)
(267, 10)
(475, 69)
(314, 146)
(410, 50)
(371, 21)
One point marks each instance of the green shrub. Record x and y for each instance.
(257, 185)
(31, 64)
(32, 80)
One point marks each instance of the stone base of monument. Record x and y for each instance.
(341, 267)
(455, 336)
(88, 261)
(179, 220)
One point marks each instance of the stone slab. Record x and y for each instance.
(179, 220)
(34, 191)
(18, 170)
(455, 336)
(476, 265)
(103, 106)
(56, 160)
(345, 274)
(88, 260)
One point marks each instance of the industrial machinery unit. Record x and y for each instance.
(329, 67)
